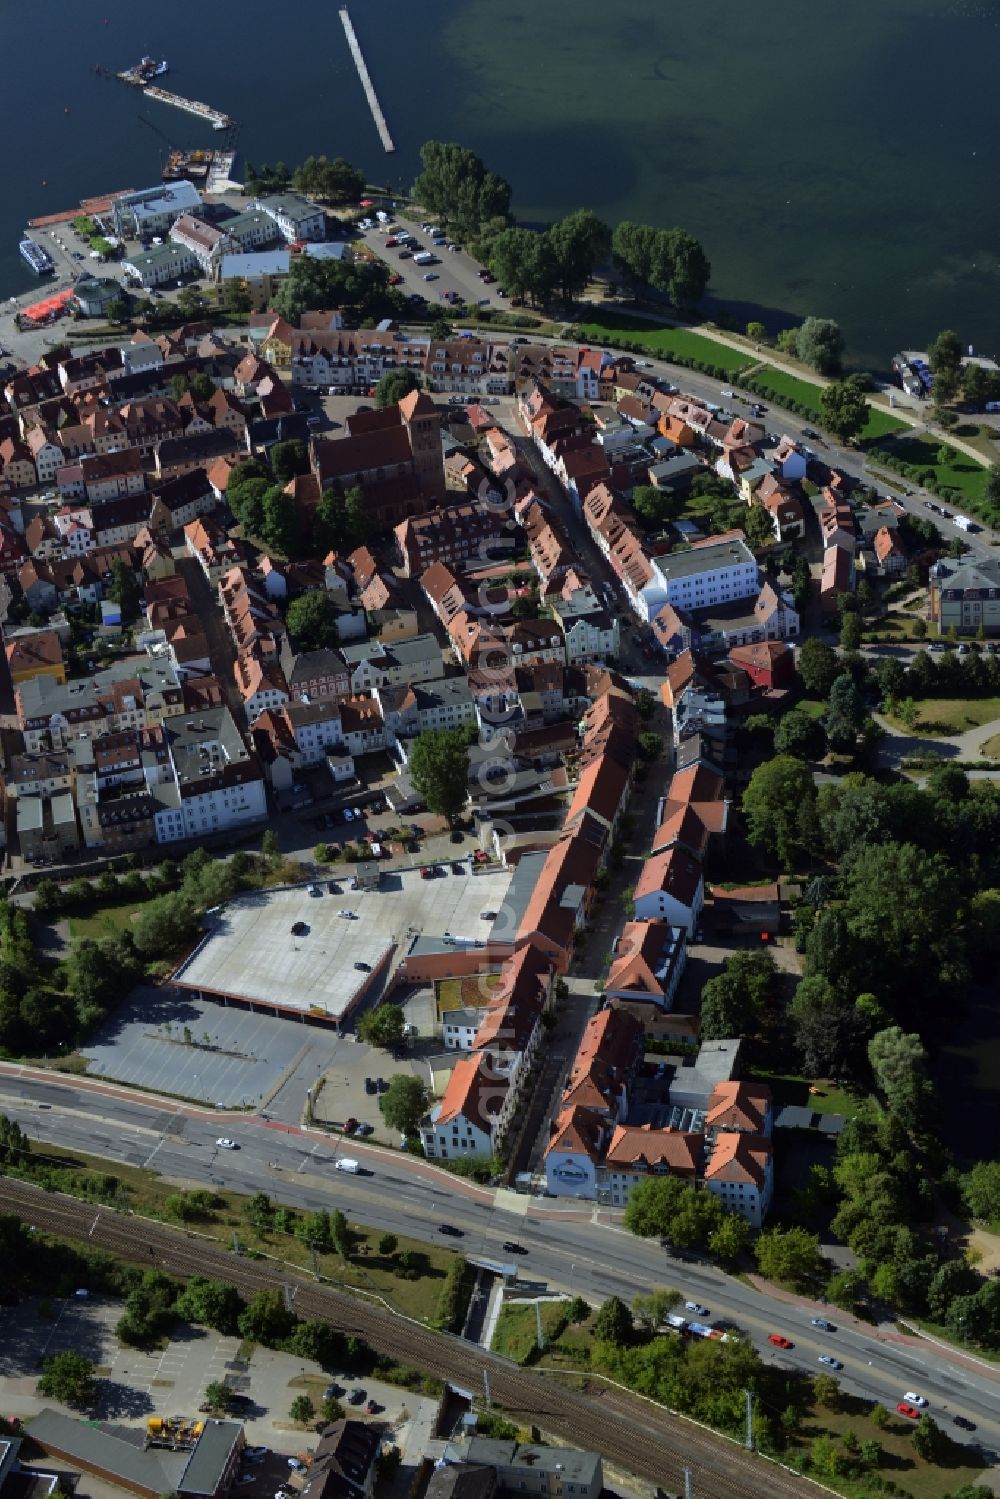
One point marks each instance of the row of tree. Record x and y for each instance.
(335, 181)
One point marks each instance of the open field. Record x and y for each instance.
(367, 1270)
(958, 472)
(666, 343)
(106, 921)
(951, 715)
(990, 748)
(790, 1088)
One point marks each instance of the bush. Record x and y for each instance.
(453, 1297)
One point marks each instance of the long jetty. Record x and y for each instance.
(217, 119)
(366, 83)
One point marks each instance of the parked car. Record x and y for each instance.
(362, 966)
(381, 1086)
(369, 1085)
(697, 1308)
(372, 1408)
(299, 928)
(357, 1397)
(333, 887)
(350, 1125)
(315, 890)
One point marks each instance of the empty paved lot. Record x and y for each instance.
(157, 1040)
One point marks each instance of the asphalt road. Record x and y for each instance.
(568, 1247)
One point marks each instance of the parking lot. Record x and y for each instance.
(303, 952)
(455, 271)
(176, 1043)
(134, 1385)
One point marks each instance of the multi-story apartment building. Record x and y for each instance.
(965, 595)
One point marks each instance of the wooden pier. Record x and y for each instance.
(366, 83)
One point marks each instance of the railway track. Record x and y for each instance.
(631, 1432)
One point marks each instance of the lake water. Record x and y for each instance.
(836, 157)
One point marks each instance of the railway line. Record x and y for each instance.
(630, 1432)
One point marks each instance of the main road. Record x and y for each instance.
(570, 1246)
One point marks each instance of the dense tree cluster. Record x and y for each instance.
(262, 508)
(329, 181)
(670, 260)
(456, 186)
(439, 768)
(360, 287)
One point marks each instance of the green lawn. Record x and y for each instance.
(881, 424)
(790, 1088)
(367, 1270)
(959, 472)
(899, 1463)
(990, 748)
(897, 626)
(951, 715)
(778, 384)
(813, 706)
(664, 342)
(517, 1328)
(106, 921)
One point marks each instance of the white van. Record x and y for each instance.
(425, 258)
(347, 1163)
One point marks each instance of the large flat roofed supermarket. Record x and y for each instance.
(251, 955)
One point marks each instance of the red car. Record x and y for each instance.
(391, 242)
(779, 1340)
(905, 1409)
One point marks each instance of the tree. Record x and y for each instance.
(654, 506)
(850, 631)
(898, 1061)
(382, 1027)
(312, 621)
(404, 1104)
(124, 590)
(790, 1256)
(164, 925)
(929, 1441)
(388, 1244)
(820, 342)
(993, 484)
(302, 1410)
(651, 1206)
(651, 1311)
(279, 522)
(289, 458)
(439, 769)
(729, 1241)
(269, 845)
(733, 1002)
(826, 1391)
(266, 1319)
(879, 1417)
(455, 184)
(577, 243)
(756, 332)
(779, 805)
(515, 260)
(846, 715)
(686, 273)
(68, 1377)
(395, 386)
(613, 1323)
(219, 1397)
(331, 181)
(980, 1190)
(845, 410)
(14, 1143)
(818, 667)
(331, 1410)
(236, 296)
(215, 1303)
(757, 527)
(944, 354)
(799, 734)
